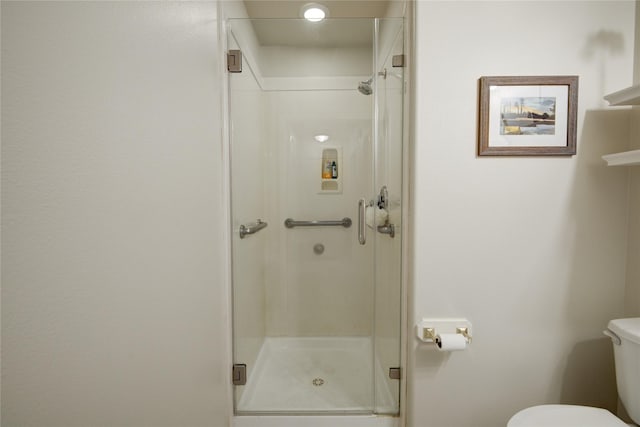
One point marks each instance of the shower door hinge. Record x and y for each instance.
(397, 60)
(395, 373)
(239, 374)
(234, 61)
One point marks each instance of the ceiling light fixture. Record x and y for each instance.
(314, 12)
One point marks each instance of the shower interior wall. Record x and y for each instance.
(289, 290)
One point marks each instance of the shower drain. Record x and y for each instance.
(317, 382)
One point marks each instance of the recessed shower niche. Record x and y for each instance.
(331, 170)
(316, 130)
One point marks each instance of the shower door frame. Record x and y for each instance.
(406, 136)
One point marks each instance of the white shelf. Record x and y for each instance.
(628, 96)
(627, 158)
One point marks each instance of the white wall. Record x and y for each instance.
(287, 61)
(632, 300)
(531, 250)
(114, 304)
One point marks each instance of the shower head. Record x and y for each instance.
(365, 87)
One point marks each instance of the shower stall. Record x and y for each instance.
(316, 152)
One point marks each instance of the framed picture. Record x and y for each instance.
(528, 116)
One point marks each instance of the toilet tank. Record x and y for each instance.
(627, 360)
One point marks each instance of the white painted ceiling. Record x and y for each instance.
(337, 8)
(347, 31)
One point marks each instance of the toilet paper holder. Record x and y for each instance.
(428, 330)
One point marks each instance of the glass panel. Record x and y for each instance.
(248, 165)
(308, 322)
(388, 176)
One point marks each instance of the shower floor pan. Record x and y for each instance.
(311, 375)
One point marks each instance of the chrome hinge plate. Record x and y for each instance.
(395, 373)
(234, 61)
(239, 374)
(397, 61)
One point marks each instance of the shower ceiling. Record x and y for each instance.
(355, 35)
(337, 8)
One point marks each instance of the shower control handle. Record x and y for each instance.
(362, 226)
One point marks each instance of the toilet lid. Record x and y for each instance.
(565, 416)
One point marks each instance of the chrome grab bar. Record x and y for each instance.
(344, 222)
(362, 226)
(252, 228)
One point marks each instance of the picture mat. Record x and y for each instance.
(497, 93)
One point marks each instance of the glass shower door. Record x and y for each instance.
(388, 178)
(316, 280)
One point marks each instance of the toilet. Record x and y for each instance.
(625, 335)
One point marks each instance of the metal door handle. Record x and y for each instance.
(362, 226)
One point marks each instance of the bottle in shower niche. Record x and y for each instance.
(326, 169)
(334, 170)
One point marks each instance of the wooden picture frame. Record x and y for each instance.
(527, 115)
